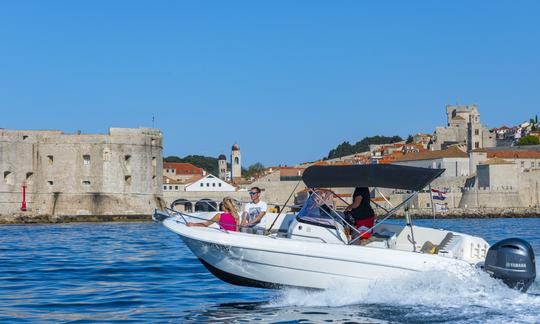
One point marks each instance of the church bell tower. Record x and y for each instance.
(236, 163)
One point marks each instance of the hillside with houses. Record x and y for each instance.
(487, 170)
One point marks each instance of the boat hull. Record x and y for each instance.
(272, 262)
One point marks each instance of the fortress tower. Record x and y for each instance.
(222, 166)
(236, 163)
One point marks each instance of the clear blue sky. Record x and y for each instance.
(287, 80)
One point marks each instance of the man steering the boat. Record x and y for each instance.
(255, 210)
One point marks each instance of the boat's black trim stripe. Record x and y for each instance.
(243, 281)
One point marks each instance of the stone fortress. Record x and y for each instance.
(119, 173)
(463, 127)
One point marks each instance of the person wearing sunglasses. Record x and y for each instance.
(255, 210)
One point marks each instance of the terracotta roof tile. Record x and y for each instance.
(183, 168)
(496, 160)
(451, 152)
(514, 154)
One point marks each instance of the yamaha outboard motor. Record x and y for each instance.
(512, 261)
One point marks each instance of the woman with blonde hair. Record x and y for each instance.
(227, 220)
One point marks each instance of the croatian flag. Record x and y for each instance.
(439, 195)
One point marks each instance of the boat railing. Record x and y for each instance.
(172, 212)
(388, 214)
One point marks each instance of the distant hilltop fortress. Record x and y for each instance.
(119, 173)
(463, 127)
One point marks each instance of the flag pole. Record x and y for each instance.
(432, 206)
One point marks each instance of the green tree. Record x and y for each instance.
(529, 140)
(210, 164)
(254, 170)
(410, 139)
(346, 148)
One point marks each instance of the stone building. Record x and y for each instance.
(209, 183)
(222, 167)
(119, 173)
(236, 163)
(463, 127)
(453, 160)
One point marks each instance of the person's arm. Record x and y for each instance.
(356, 203)
(258, 218)
(244, 217)
(260, 215)
(207, 223)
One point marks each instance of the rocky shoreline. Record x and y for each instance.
(475, 213)
(486, 213)
(55, 219)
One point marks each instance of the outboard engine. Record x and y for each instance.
(512, 261)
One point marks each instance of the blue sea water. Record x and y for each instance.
(141, 272)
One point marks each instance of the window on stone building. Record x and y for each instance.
(24, 137)
(170, 187)
(476, 132)
(50, 182)
(86, 182)
(127, 179)
(202, 184)
(522, 164)
(8, 177)
(86, 159)
(50, 159)
(127, 163)
(213, 184)
(219, 184)
(175, 187)
(106, 156)
(476, 145)
(208, 184)
(164, 187)
(29, 176)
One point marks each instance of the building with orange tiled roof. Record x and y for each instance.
(525, 159)
(386, 153)
(423, 139)
(181, 171)
(453, 159)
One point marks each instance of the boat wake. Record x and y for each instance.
(461, 293)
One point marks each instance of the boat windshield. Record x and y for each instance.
(318, 209)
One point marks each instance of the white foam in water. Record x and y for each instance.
(460, 287)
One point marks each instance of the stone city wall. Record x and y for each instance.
(80, 174)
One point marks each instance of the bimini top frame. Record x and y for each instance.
(376, 175)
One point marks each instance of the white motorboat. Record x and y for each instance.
(316, 247)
